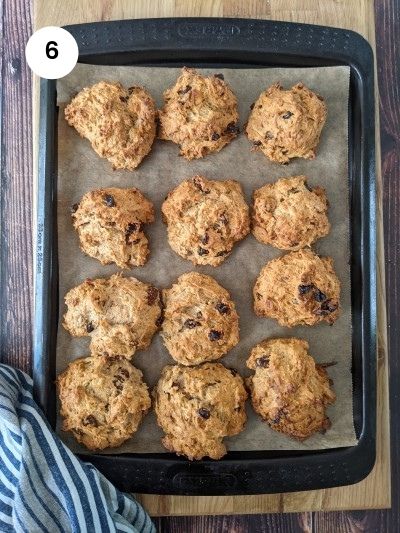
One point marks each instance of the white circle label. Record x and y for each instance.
(52, 52)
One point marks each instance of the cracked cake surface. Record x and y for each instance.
(119, 123)
(110, 225)
(298, 288)
(284, 124)
(205, 218)
(120, 314)
(288, 389)
(103, 400)
(200, 319)
(288, 214)
(200, 114)
(197, 407)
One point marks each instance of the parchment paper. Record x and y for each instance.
(80, 169)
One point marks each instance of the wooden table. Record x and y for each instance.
(16, 243)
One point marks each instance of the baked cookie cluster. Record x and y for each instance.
(200, 114)
(198, 406)
(288, 389)
(120, 314)
(205, 218)
(198, 401)
(200, 320)
(285, 124)
(103, 400)
(290, 215)
(110, 225)
(299, 288)
(119, 123)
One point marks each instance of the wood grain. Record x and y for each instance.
(16, 188)
(16, 249)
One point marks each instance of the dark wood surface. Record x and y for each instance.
(16, 254)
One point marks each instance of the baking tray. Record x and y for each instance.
(233, 43)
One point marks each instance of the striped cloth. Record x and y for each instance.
(43, 486)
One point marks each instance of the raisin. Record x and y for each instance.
(252, 106)
(204, 413)
(303, 289)
(90, 420)
(215, 136)
(232, 128)
(220, 76)
(152, 295)
(111, 360)
(257, 143)
(159, 321)
(132, 228)
(233, 371)
(215, 335)
(131, 89)
(320, 312)
(221, 253)
(319, 296)
(89, 327)
(190, 323)
(198, 183)
(74, 208)
(287, 115)
(118, 382)
(277, 417)
(176, 385)
(328, 306)
(269, 135)
(224, 219)
(118, 385)
(124, 372)
(109, 200)
(202, 251)
(263, 361)
(223, 308)
(124, 99)
(205, 238)
(184, 90)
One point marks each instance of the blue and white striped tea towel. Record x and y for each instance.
(43, 486)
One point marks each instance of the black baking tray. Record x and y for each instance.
(228, 43)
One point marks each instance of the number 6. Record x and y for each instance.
(51, 50)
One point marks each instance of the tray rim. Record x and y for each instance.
(205, 476)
